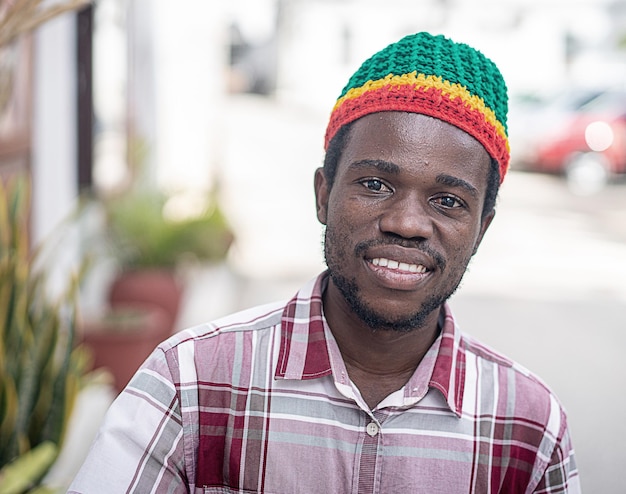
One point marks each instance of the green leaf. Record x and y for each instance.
(8, 415)
(41, 370)
(28, 469)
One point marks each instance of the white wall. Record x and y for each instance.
(54, 124)
(190, 55)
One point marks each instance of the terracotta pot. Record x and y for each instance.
(123, 338)
(158, 287)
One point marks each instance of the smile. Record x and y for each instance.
(398, 266)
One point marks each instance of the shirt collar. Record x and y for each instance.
(443, 366)
(304, 352)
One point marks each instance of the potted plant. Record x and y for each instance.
(149, 240)
(41, 366)
(152, 236)
(123, 337)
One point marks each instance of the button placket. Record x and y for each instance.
(369, 461)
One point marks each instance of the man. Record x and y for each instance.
(362, 382)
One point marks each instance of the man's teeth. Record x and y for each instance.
(401, 266)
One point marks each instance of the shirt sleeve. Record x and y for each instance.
(139, 447)
(561, 475)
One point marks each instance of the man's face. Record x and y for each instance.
(403, 217)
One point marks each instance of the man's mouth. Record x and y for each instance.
(398, 265)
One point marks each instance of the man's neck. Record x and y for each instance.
(381, 361)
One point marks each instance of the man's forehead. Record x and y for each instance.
(418, 146)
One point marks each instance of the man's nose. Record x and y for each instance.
(409, 217)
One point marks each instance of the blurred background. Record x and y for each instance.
(214, 113)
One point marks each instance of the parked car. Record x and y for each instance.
(586, 143)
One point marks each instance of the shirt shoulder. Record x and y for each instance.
(531, 392)
(254, 319)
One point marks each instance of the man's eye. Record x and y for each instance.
(374, 184)
(449, 202)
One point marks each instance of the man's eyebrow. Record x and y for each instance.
(457, 182)
(381, 165)
(389, 167)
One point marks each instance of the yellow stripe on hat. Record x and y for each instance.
(452, 90)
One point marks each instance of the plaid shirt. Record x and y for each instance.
(260, 401)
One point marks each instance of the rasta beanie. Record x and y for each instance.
(434, 76)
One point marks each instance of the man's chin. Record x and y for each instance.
(406, 324)
(383, 321)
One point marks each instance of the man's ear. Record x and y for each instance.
(321, 195)
(486, 221)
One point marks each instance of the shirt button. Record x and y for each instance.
(372, 429)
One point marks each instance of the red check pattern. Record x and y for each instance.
(261, 401)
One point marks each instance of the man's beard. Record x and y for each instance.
(351, 292)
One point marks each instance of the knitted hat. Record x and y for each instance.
(434, 76)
